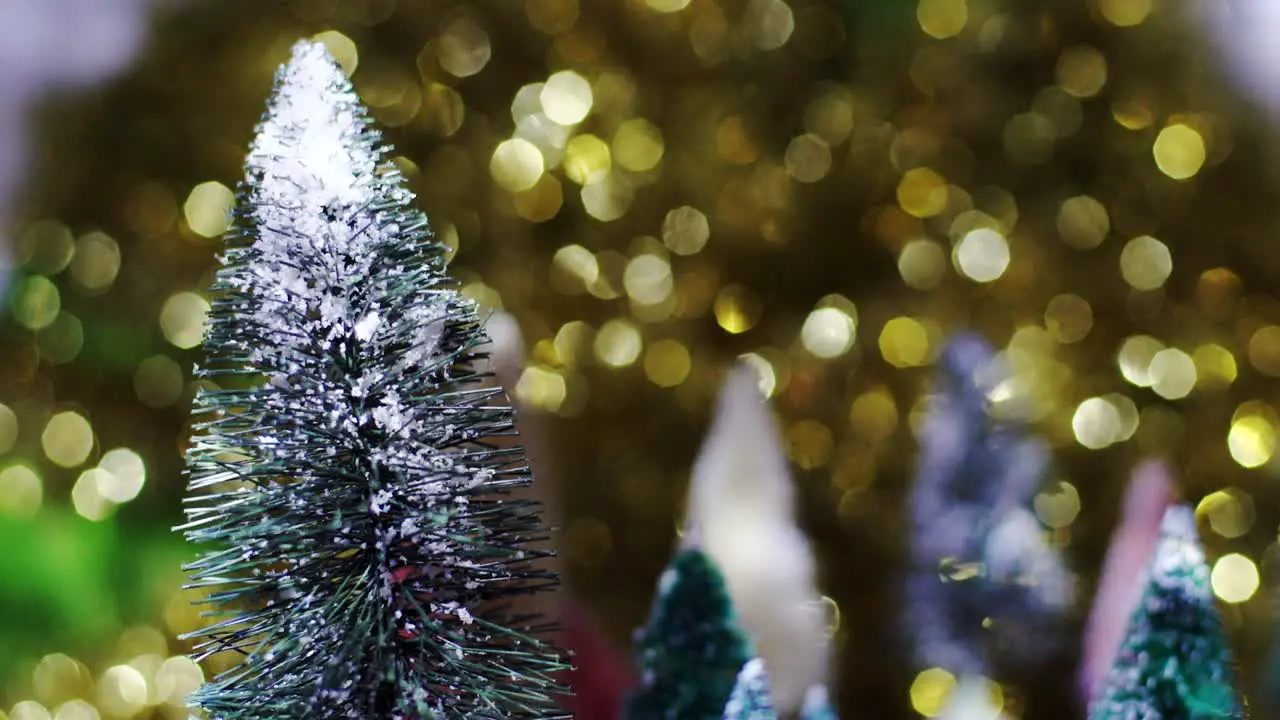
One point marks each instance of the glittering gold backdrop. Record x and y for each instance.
(653, 188)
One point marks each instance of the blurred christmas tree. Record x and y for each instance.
(750, 697)
(1175, 661)
(692, 649)
(986, 584)
(344, 475)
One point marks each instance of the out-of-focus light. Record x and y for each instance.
(182, 319)
(178, 677)
(685, 230)
(21, 491)
(76, 710)
(618, 343)
(158, 381)
(8, 428)
(516, 165)
(1215, 366)
(541, 388)
(1082, 71)
(1172, 373)
(463, 48)
(1179, 151)
(930, 690)
(341, 47)
(667, 6)
(1083, 222)
(922, 192)
(1251, 440)
(737, 309)
(67, 439)
(1135, 357)
(982, 255)
(808, 158)
(1097, 424)
(126, 474)
(30, 710)
(208, 209)
(667, 363)
(922, 264)
(1234, 578)
(905, 342)
(122, 691)
(647, 279)
(87, 498)
(1125, 13)
(97, 261)
(36, 302)
(1145, 263)
(566, 98)
(942, 19)
(638, 145)
(828, 332)
(1231, 512)
(586, 159)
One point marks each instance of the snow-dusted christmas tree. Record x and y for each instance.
(750, 697)
(981, 559)
(692, 649)
(359, 550)
(1175, 661)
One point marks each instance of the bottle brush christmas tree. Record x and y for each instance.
(1175, 661)
(986, 588)
(692, 650)
(361, 553)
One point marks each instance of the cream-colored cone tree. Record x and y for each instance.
(741, 513)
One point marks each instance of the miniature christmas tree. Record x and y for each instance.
(692, 649)
(362, 552)
(817, 705)
(1175, 661)
(750, 697)
(982, 562)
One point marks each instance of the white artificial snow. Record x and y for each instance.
(1178, 551)
(367, 326)
(380, 502)
(409, 527)
(742, 515)
(667, 581)
(750, 691)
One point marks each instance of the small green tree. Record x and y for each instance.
(692, 649)
(1175, 663)
(360, 552)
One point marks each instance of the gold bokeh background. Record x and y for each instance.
(654, 188)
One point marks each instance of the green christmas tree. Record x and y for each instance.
(1175, 663)
(750, 697)
(692, 649)
(359, 551)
